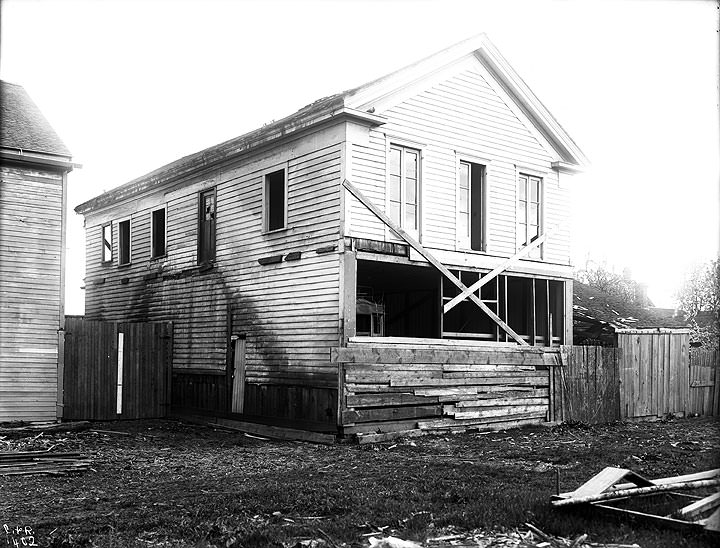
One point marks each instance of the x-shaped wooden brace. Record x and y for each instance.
(432, 260)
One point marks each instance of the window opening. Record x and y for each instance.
(124, 242)
(529, 212)
(206, 227)
(403, 186)
(107, 245)
(275, 200)
(158, 233)
(471, 206)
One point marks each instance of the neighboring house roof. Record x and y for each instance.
(366, 104)
(23, 127)
(592, 307)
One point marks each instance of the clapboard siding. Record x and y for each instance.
(288, 312)
(31, 216)
(461, 117)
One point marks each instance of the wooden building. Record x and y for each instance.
(355, 223)
(34, 164)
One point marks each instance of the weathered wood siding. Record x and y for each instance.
(289, 311)
(462, 117)
(31, 215)
(410, 388)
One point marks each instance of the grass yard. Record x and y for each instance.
(166, 483)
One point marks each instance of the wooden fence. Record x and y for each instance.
(704, 398)
(587, 385)
(116, 370)
(653, 372)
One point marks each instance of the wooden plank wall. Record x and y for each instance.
(463, 113)
(391, 388)
(91, 367)
(31, 209)
(654, 368)
(587, 385)
(704, 380)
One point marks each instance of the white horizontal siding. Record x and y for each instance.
(31, 204)
(462, 116)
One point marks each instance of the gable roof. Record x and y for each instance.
(23, 126)
(357, 103)
(594, 307)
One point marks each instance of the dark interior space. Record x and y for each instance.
(397, 300)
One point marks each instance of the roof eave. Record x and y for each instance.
(271, 135)
(540, 116)
(58, 162)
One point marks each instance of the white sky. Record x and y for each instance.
(131, 85)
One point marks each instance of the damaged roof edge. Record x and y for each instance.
(313, 115)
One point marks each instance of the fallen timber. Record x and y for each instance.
(605, 487)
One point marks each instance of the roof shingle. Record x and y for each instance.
(23, 125)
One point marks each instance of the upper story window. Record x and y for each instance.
(275, 201)
(529, 226)
(107, 243)
(404, 186)
(471, 206)
(124, 242)
(206, 227)
(157, 233)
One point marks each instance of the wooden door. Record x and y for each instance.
(238, 390)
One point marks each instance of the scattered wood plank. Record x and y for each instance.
(606, 487)
(41, 462)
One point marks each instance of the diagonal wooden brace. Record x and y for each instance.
(429, 258)
(494, 272)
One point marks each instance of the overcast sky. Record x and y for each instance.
(131, 85)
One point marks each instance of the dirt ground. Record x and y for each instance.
(167, 483)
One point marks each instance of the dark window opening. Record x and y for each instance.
(124, 242)
(275, 204)
(206, 228)
(397, 300)
(107, 244)
(471, 206)
(158, 233)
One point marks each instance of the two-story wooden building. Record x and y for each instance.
(34, 164)
(356, 223)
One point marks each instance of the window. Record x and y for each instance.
(529, 212)
(275, 201)
(107, 245)
(124, 242)
(157, 233)
(403, 186)
(206, 227)
(471, 206)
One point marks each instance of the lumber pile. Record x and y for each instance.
(619, 484)
(41, 462)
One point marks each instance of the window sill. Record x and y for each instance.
(274, 231)
(125, 265)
